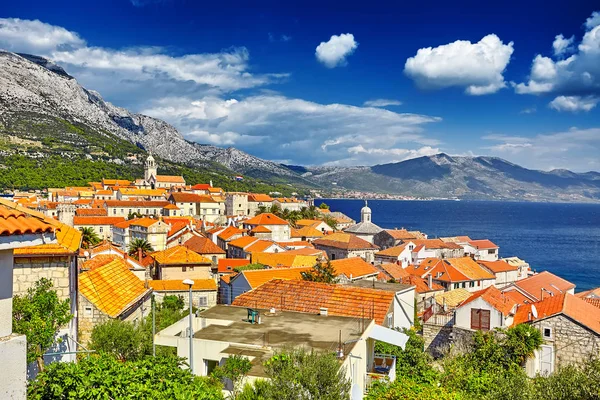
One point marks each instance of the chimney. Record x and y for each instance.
(323, 311)
(140, 255)
(430, 281)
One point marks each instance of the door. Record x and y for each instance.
(480, 319)
(546, 360)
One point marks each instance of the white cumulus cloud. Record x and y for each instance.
(36, 37)
(575, 80)
(478, 67)
(574, 103)
(382, 103)
(333, 53)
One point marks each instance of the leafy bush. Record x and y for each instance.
(104, 377)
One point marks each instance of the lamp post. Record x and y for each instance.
(190, 283)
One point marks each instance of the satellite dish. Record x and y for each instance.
(86, 254)
(534, 311)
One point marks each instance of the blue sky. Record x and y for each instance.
(319, 83)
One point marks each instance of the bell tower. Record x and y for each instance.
(150, 169)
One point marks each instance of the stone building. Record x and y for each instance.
(204, 291)
(111, 291)
(344, 245)
(365, 229)
(570, 328)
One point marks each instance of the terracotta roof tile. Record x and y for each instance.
(183, 197)
(483, 244)
(260, 229)
(573, 307)
(178, 286)
(227, 265)
(229, 232)
(392, 251)
(68, 240)
(100, 260)
(243, 242)
(202, 245)
(285, 260)
(266, 219)
(81, 221)
(145, 222)
(257, 277)
(136, 203)
(533, 285)
(354, 267)
(589, 293)
(259, 198)
(345, 241)
(306, 231)
(91, 212)
(260, 245)
(179, 255)
(494, 298)
(401, 234)
(497, 266)
(395, 271)
(112, 288)
(170, 178)
(17, 220)
(593, 301)
(452, 298)
(309, 297)
(468, 267)
(421, 284)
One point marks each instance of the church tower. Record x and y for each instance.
(150, 169)
(365, 213)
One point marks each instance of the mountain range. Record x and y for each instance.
(45, 114)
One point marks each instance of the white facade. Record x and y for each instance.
(236, 204)
(497, 319)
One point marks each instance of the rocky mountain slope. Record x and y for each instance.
(33, 88)
(447, 176)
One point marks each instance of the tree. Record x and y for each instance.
(39, 315)
(89, 237)
(137, 244)
(120, 339)
(323, 206)
(104, 377)
(324, 273)
(235, 369)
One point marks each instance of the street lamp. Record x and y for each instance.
(190, 283)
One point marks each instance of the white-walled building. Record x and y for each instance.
(484, 250)
(486, 310)
(365, 229)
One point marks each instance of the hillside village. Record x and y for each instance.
(243, 261)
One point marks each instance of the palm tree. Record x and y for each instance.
(140, 244)
(89, 237)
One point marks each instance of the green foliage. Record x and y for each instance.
(136, 244)
(89, 237)
(104, 377)
(39, 315)
(292, 216)
(234, 369)
(172, 302)
(299, 374)
(323, 206)
(324, 273)
(406, 388)
(413, 361)
(250, 267)
(122, 340)
(521, 342)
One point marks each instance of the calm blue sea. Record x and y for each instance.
(561, 238)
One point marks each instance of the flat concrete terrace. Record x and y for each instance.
(282, 329)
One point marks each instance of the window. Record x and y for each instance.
(464, 285)
(547, 332)
(202, 301)
(390, 320)
(88, 312)
(471, 284)
(480, 319)
(492, 251)
(101, 229)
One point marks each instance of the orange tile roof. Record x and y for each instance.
(392, 251)
(227, 278)
(177, 285)
(104, 192)
(285, 260)
(443, 270)
(100, 260)
(260, 229)
(401, 234)
(573, 307)
(91, 212)
(395, 271)
(266, 219)
(183, 197)
(97, 220)
(309, 297)
(255, 278)
(170, 178)
(243, 242)
(494, 298)
(145, 222)
(136, 203)
(143, 192)
(201, 186)
(260, 245)
(497, 266)
(308, 222)
(202, 245)
(593, 301)
(434, 244)
(421, 284)
(125, 224)
(171, 207)
(354, 267)
(533, 285)
(517, 296)
(227, 265)
(306, 231)
(105, 246)
(345, 241)
(176, 227)
(112, 288)
(179, 255)
(468, 267)
(17, 220)
(483, 244)
(307, 251)
(259, 197)
(589, 293)
(113, 182)
(68, 240)
(229, 232)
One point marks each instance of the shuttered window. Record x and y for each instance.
(480, 319)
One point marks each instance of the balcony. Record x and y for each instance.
(384, 368)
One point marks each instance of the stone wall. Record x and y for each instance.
(211, 297)
(441, 340)
(572, 342)
(89, 316)
(28, 270)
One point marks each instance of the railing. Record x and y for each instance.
(441, 320)
(380, 373)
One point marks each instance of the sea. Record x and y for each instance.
(561, 238)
